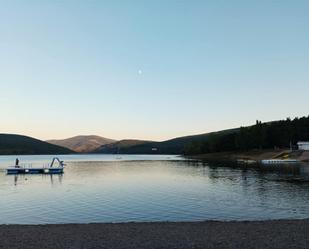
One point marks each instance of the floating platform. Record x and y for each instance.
(43, 170)
(13, 170)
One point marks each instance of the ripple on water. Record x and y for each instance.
(153, 191)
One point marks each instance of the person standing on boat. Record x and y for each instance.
(16, 163)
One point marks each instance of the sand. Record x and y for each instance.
(208, 234)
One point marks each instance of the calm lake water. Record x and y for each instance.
(122, 188)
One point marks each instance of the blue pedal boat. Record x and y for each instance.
(50, 169)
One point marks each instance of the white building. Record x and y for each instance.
(303, 145)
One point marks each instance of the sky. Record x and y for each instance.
(150, 69)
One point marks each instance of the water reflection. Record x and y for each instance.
(289, 172)
(53, 178)
(121, 191)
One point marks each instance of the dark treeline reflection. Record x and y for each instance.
(294, 173)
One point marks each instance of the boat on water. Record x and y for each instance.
(279, 161)
(48, 169)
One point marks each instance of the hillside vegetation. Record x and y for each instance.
(11, 144)
(271, 135)
(82, 144)
(261, 136)
(274, 135)
(172, 146)
(121, 146)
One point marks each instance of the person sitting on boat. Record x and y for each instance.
(16, 163)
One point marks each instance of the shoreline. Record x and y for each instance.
(204, 234)
(254, 155)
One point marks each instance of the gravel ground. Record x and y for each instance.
(208, 234)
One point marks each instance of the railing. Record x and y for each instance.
(25, 165)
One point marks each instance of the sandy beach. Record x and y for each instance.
(208, 234)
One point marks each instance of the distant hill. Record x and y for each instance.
(11, 144)
(268, 135)
(82, 144)
(172, 146)
(121, 146)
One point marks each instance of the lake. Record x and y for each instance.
(123, 188)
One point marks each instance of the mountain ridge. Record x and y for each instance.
(120, 146)
(15, 144)
(82, 143)
(172, 146)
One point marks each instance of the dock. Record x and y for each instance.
(49, 169)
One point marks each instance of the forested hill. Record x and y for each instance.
(270, 135)
(11, 144)
(172, 146)
(122, 146)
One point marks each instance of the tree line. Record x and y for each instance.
(270, 135)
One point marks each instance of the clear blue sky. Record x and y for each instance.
(150, 69)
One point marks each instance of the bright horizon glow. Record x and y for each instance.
(150, 70)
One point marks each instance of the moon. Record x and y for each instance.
(140, 72)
